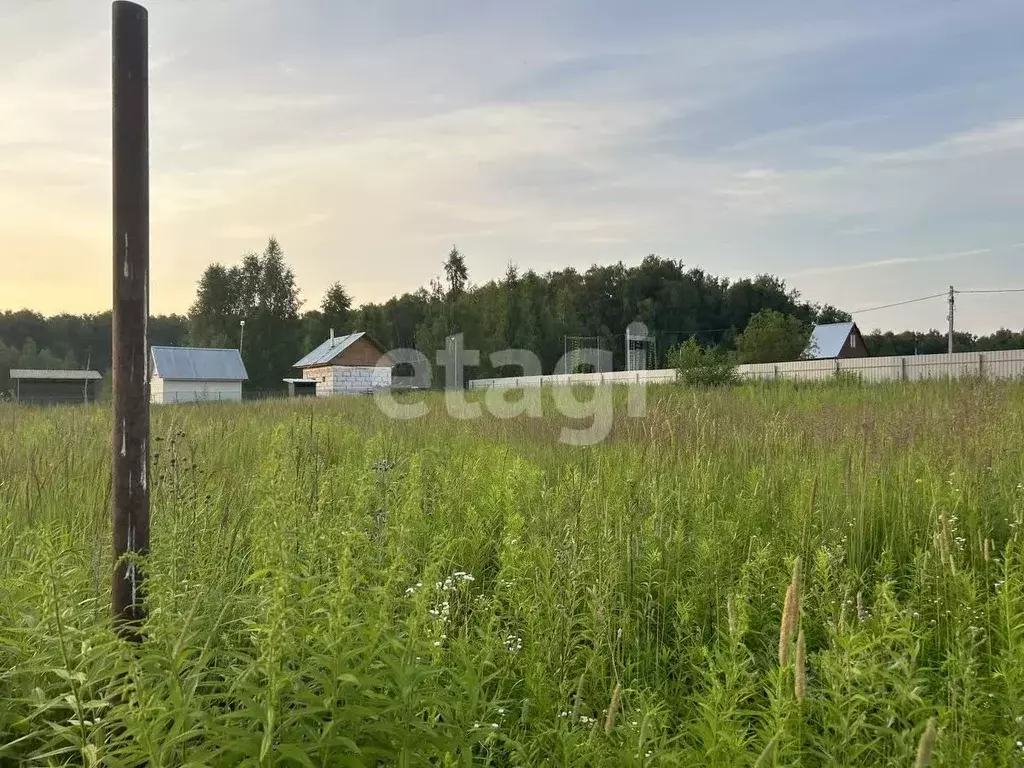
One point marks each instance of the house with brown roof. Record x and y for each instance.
(350, 364)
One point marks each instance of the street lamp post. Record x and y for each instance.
(241, 335)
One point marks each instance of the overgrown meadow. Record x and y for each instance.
(761, 575)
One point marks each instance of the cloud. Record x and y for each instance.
(892, 262)
(369, 137)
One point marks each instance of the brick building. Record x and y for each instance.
(350, 364)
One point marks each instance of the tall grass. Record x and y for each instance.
(329, 587)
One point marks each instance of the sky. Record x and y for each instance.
(867, 152)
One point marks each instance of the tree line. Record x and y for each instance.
(521, 310)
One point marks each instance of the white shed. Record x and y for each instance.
(193, 374)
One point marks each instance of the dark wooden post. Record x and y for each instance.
(130, 310)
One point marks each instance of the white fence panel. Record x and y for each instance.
(1006, 364)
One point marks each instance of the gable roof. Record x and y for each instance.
(827, 340)
(333, 347)
(198, 364)
(24, 374)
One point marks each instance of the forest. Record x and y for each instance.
(522, 309)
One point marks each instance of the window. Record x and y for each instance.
(853, 341)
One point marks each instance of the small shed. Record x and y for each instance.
(350, 364)
(195, 374)
(836, 341)
(301, 387)
(52, 387)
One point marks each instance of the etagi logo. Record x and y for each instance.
(503, 402)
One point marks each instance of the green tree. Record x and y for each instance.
(829, 314)
(456, 273)
(336, 307)
(261, 291)
(772, 337)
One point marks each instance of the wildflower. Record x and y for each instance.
(501, 710)
(437, 643)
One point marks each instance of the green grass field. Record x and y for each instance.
(331, 587)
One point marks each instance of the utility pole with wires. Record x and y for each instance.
(952, 306)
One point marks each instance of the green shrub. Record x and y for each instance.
(703, 367)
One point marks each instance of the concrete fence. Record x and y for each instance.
(1007, 364)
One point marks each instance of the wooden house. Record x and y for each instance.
(836, 341)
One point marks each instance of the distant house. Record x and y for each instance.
(50, 387)
(836, 341)
(350, 364)
(194, 374)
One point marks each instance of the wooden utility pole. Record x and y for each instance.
(952, 305)
(130, 311)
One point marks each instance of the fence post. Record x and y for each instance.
(130, 315)
(981, 365)
(903, 369)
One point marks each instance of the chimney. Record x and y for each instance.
(332, 337)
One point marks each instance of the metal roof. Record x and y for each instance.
(27, 373)
(198, 364)
(329, 350)
(827, 340)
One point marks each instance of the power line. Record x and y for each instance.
(997, 290)
(899, 303)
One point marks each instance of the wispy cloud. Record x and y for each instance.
(892, 262)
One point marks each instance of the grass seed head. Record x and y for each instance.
(800, 680)
(787, 625)
(613, 708)
(926, 745)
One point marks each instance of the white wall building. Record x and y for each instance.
(346, 365)
(193, 374)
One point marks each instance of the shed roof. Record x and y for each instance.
(198, 364)
(52, 375)
(827, 340)
(331, 348)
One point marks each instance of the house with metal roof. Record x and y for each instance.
(350, 364)
(52, 387)
(195, 374)
(836, 341)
